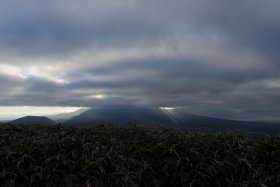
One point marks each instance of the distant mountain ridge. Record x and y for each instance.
(66, 116)
(156, 117)
(123, 115)
(33, 120)
(119, 114)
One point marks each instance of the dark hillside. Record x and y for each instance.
(177, 119)
(33, 120)
(119, 114)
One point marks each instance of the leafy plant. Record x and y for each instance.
(107, 155)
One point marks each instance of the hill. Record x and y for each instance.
(177, 119)
(33, 120)
(107, 155)
(121, 115)
(187, 121)
(66, 116)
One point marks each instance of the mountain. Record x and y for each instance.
(66, 116)
(121, 115)
(176, 118)
(33, 120)
(197, 122)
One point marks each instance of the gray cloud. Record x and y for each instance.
(218, 58)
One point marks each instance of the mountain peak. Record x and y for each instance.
(33, 120)
(120, 114)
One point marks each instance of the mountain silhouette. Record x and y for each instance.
(176, 118)
(124, 115)
(33, 120)
(66, 116)
(121, 115)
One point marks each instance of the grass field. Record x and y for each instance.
(107, 155)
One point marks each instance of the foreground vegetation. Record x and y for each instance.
(107, 155)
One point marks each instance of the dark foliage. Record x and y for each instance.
(107, 155)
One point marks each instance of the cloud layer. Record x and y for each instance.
(218, 58)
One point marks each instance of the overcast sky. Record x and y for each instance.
(213, 57)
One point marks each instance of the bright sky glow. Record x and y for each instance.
(11, 112)
(98, 96)
(166, 108)
(11, 71)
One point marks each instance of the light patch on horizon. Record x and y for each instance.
(167, 108)
(170, 112)
(12, 112)
(98, 96)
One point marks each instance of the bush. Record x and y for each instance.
(107, 155)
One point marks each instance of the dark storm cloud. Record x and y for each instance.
(61, 27)
(217, 58)
(49, 29)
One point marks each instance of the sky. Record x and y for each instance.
(217, 58)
